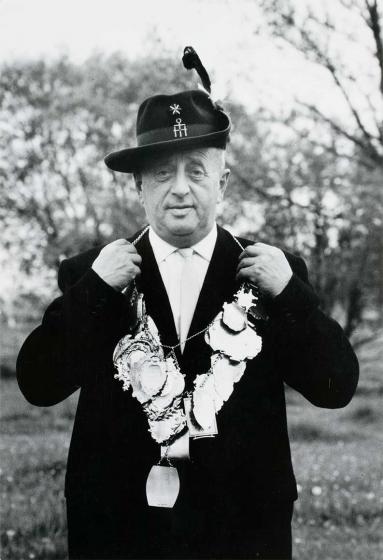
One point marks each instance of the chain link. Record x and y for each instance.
(252, 286)
(165, 457)
(135, 241)
(187, 339)
(237, 241)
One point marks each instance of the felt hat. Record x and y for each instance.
(184, 120)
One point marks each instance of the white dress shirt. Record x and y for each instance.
(170, 263)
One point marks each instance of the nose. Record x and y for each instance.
(180, 186)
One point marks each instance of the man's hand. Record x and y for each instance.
(265, 266)
(118, 264)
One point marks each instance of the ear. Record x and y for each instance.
(223, 184)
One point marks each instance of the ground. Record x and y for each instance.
(337, 456)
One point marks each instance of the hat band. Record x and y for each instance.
(175, 132)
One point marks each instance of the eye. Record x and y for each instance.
(196, 173)
(163, 174)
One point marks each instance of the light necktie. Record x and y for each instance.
(189, 294)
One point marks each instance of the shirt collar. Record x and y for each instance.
(205, 247)
(162, 249)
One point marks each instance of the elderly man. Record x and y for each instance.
(205, 328)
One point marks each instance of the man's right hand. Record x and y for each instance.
(118, 264)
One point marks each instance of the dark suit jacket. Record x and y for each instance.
(111, 450)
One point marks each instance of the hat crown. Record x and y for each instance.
(187, 120)
(163, 111)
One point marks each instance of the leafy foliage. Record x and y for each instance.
(57, 122)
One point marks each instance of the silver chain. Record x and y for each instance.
(186, 339)
(135, 241)
(202, 331)
(238, 242)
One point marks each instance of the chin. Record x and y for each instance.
(179, 228)
(181, 236)
(186, 239)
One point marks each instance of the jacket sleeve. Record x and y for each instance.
(313, 354)
(75, 341)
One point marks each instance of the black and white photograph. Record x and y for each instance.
(191, 303)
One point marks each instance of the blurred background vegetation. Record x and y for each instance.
(303, 179)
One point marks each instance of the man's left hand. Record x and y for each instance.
(265, 266)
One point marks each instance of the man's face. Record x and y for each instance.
(180, 193)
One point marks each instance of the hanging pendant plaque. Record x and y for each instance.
(162, 486)
(196, 430)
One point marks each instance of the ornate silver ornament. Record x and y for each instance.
(238, 346)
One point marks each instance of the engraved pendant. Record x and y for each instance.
(162, 486)
(195, 429)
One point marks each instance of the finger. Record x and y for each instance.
(121, 241)
(246, 274)
(257, 261)
(246, 262)
(129, 251)
(129, 247)
(133, 271)
(256, 249)
(136, 259)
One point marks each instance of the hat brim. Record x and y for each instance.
(127, 160)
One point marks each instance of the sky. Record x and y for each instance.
(229, 36)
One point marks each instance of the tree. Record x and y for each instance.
(57, 122)
(345, 39)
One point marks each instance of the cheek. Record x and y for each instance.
(213, 197)
(149, 196)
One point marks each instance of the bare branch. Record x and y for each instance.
(374, 24)
(325, 60)
(251, 186)
(307, 44)
(359, 342)
(329, 26)
(368, 148)
(353, 6)
(341, 155)
(378, 123)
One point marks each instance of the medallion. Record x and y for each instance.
(234, 316)
(207, 417)
(239, 346)
(162, 486)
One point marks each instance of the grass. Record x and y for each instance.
(337, 456)
(33, 446)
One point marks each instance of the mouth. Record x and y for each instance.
(179, 206)
(180, 210)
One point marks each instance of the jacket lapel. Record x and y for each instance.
(156, 298)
